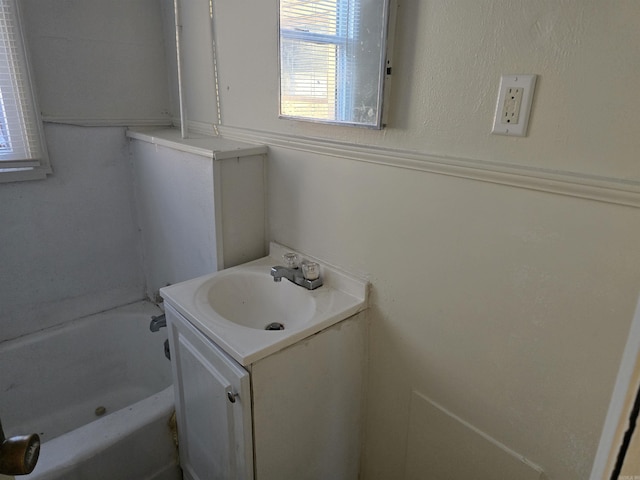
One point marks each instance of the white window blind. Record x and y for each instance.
(21, 145)
(316, 43)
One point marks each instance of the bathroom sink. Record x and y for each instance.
(249, 297)
(249, 315)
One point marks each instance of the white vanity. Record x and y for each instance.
(268, 404)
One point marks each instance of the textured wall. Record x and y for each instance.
(99, 61)
(70, 244)
(448, 59)
(509, 307)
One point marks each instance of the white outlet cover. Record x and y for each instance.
(527, 83)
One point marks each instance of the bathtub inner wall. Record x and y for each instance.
(54, 380)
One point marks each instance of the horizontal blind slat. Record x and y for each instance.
(313, 36)
(19, 131)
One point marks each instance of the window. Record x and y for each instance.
(22, 149)
(332, 59)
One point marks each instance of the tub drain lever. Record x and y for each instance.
(18, 455)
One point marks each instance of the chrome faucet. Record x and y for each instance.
(308, 276)
(157, 323)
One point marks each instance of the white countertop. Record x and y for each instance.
(341, 296)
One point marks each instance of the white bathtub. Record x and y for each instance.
(56, 383)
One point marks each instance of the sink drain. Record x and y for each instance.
(274, 326)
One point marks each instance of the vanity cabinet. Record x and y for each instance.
(213, 406)
(294, 414)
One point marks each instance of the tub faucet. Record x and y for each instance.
(295, 275)
(157, 323)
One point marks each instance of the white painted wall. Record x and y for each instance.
(198, 211)
(174, 199)
(99, 62)
(508, 306)
(69, 245)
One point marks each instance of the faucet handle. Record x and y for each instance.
(290, 260)
(310, 270)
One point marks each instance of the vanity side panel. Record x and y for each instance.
(308, 406)
(242, 207)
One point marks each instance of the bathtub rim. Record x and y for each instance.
(100, 434)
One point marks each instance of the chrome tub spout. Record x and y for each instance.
(157, 323)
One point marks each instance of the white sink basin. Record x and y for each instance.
(249, 297)
(233, 307)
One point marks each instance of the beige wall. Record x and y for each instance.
(508, 306)
(448, 60)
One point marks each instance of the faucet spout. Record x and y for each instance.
(278, 273)
(157, 323)
(294, 275)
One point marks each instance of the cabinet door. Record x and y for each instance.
(213, 406)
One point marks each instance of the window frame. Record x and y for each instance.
(17, 168)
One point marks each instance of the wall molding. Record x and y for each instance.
(109, 122)
(602, 189)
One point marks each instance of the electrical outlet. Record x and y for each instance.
(514, 105)
(511, 107)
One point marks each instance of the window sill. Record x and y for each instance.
(8, 175)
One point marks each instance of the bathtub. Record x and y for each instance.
(98, 392)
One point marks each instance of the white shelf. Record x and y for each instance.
(217, 148)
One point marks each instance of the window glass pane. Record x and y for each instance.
(309, 16)
(20, 142)
(309, 81)
(4, 136)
